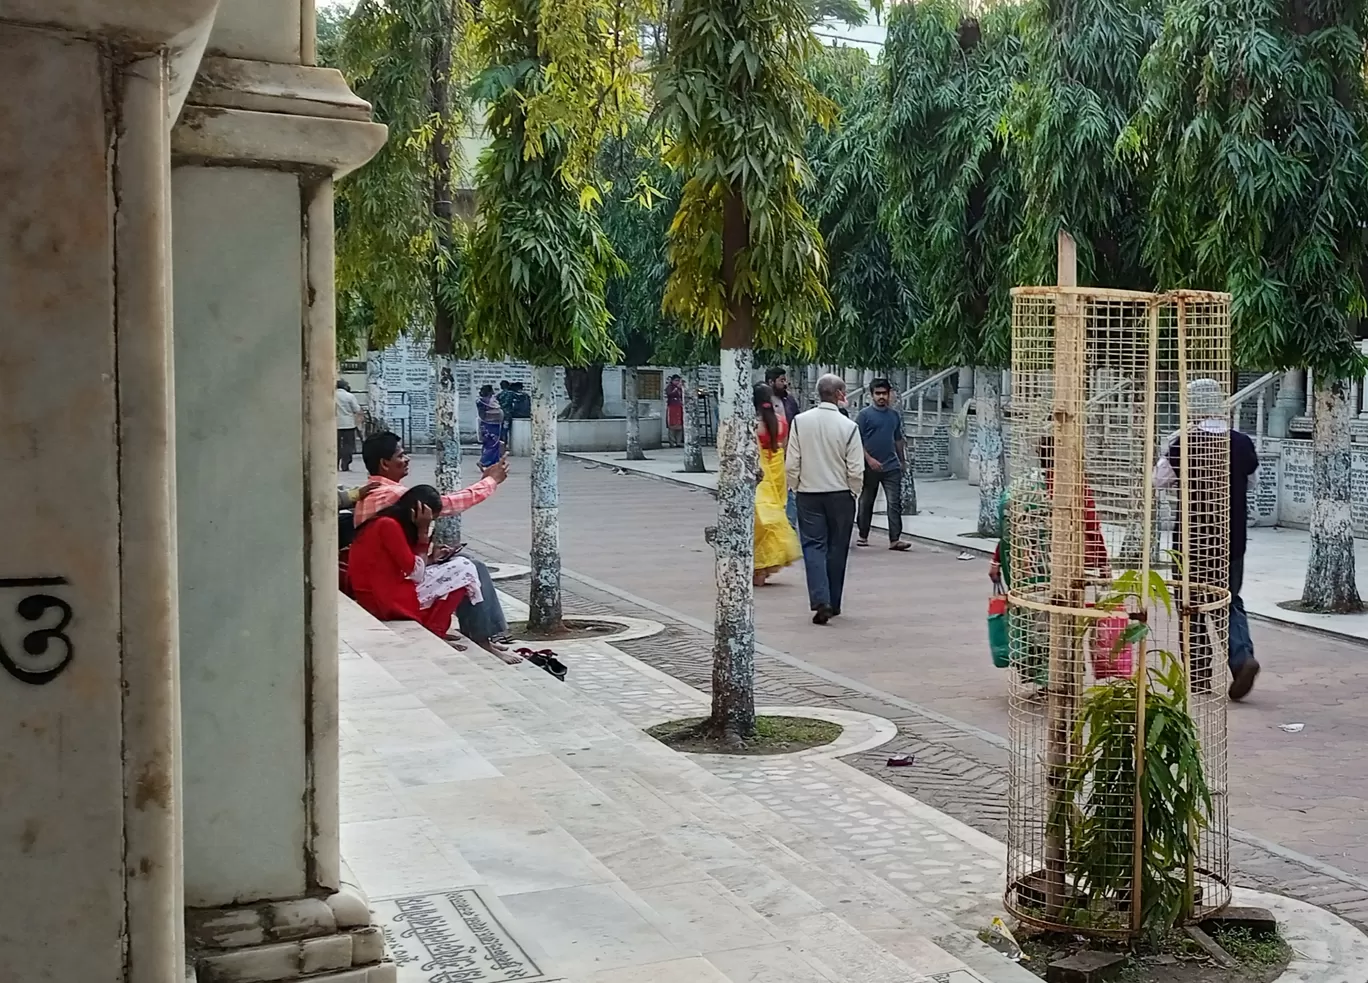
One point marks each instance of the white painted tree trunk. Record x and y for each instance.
(988, 442)
(375, 393)
(909, 484)
(1330, 577)
(629, 396)
(544, 606)
(693, 448)
(446, 435)
(734, 623)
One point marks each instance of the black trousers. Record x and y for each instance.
(825, 521)
(892, 487)
(346, 447)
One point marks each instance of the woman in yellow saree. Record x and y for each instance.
(776, 544)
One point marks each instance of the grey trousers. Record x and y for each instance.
(483, 621)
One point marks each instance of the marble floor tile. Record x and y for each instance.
(436, 763)
(585, 930)
(702, 915)
(695, 970)
(776, 963)
(642, 859)
(395, 857)
(518, 861)
(461, 808)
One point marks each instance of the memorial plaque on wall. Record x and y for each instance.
(1358, 488)
(1263, 493)
(1297, 482)
(417, 375)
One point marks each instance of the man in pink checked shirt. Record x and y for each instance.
(388, 464)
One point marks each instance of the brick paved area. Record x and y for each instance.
(911, 648)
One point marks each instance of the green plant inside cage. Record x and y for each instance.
(1097, 807)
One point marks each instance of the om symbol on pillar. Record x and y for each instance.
(44, 650)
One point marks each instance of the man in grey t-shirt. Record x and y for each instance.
(885, 453)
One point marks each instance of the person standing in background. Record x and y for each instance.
(777, 379)
(348, 422)
(506, 399)
(491, 418)
(776, 544)
(1209, 521)
(825, 466)
(674, 410)
(885, 454)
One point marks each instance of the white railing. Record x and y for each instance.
(1260, 389)
(1097, 399)
(920, 391)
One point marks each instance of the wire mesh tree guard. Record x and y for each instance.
(1118, 607)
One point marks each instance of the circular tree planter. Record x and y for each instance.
(590, 628)
(774, 735)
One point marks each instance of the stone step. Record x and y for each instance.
(711, 869)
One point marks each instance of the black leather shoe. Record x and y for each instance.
(1244, 680)
(823, 614)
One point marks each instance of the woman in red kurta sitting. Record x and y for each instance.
(389, 569)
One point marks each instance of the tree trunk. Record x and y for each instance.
(585, 389)
(446, 431)
(544, 606)
(733, 701)
(376, 395)
(909, 484)
(446, 437)
(693, 449)
(988, 441)
(1330, 581)
(629, 396)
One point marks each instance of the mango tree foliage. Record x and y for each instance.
(873, 305)
(735, 102)
(639, 202)
(412, 60)
(955, 195)
(747, 264)
(1080, 92)
(562, 77)
(1253, 124)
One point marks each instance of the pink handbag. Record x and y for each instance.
(1112, 659)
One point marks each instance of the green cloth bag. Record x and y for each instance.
(999, 644)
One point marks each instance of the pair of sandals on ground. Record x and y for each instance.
(541, 658)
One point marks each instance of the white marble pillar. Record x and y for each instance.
(254, 156)
(88, 721)
(1289, 404)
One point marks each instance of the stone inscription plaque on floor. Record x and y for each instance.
(452, 937)
(957, 976)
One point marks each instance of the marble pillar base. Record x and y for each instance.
(328, 940)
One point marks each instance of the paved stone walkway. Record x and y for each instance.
(911, 649)
(948, 509)
(514, 828)
(509, 827)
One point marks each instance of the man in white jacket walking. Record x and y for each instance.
(825, 465)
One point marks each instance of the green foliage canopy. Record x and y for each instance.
(736, 105)
(562, 77)
(390, 244)
(1080, 93)
(636, 215)
(1253, 124)
(872, 302)
(955, 193)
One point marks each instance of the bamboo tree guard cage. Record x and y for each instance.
(1105, 383)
